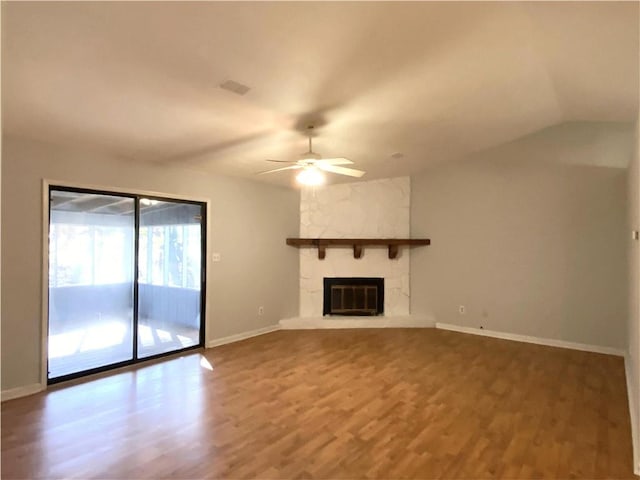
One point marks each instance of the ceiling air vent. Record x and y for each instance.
(235, 87)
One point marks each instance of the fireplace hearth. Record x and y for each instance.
(353, 296)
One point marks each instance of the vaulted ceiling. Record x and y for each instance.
(433, 81)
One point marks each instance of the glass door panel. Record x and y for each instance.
(91, 270)
(169, 276)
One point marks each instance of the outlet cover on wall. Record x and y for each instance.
(215, 257)
(461, 309)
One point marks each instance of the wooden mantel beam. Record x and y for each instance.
(358, 244)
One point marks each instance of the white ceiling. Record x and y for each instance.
(432, 80)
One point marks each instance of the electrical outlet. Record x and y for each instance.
(261, 310)
(461, 309)
(215, 257)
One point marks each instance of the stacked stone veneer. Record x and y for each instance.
(375, 209)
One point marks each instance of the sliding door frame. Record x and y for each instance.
(136, 195)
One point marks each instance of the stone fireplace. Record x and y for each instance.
(375, 209)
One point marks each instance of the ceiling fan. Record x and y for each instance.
(312, 163)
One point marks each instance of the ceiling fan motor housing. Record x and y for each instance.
(309, 157)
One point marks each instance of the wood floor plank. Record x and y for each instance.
(391, 403)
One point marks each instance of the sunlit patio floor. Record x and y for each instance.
(97, 343)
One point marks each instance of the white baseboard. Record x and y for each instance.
(633, 414)
(537, 340)
(315, 323)
(22, 391)
(241, 336)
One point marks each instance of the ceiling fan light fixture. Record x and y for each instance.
(310, 176)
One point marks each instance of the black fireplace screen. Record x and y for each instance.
(353, 296)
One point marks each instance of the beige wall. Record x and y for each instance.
(249, 224)
(529, 246)
(633, 358)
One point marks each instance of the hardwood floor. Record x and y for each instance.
(405, 403)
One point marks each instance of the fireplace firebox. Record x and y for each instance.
(353, 296)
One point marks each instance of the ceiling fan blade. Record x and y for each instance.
(351, 172)
(335, 161)
(281, 161)
(292, 167)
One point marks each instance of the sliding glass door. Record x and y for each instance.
(169, 262)
(125, 279)
(91, 248)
